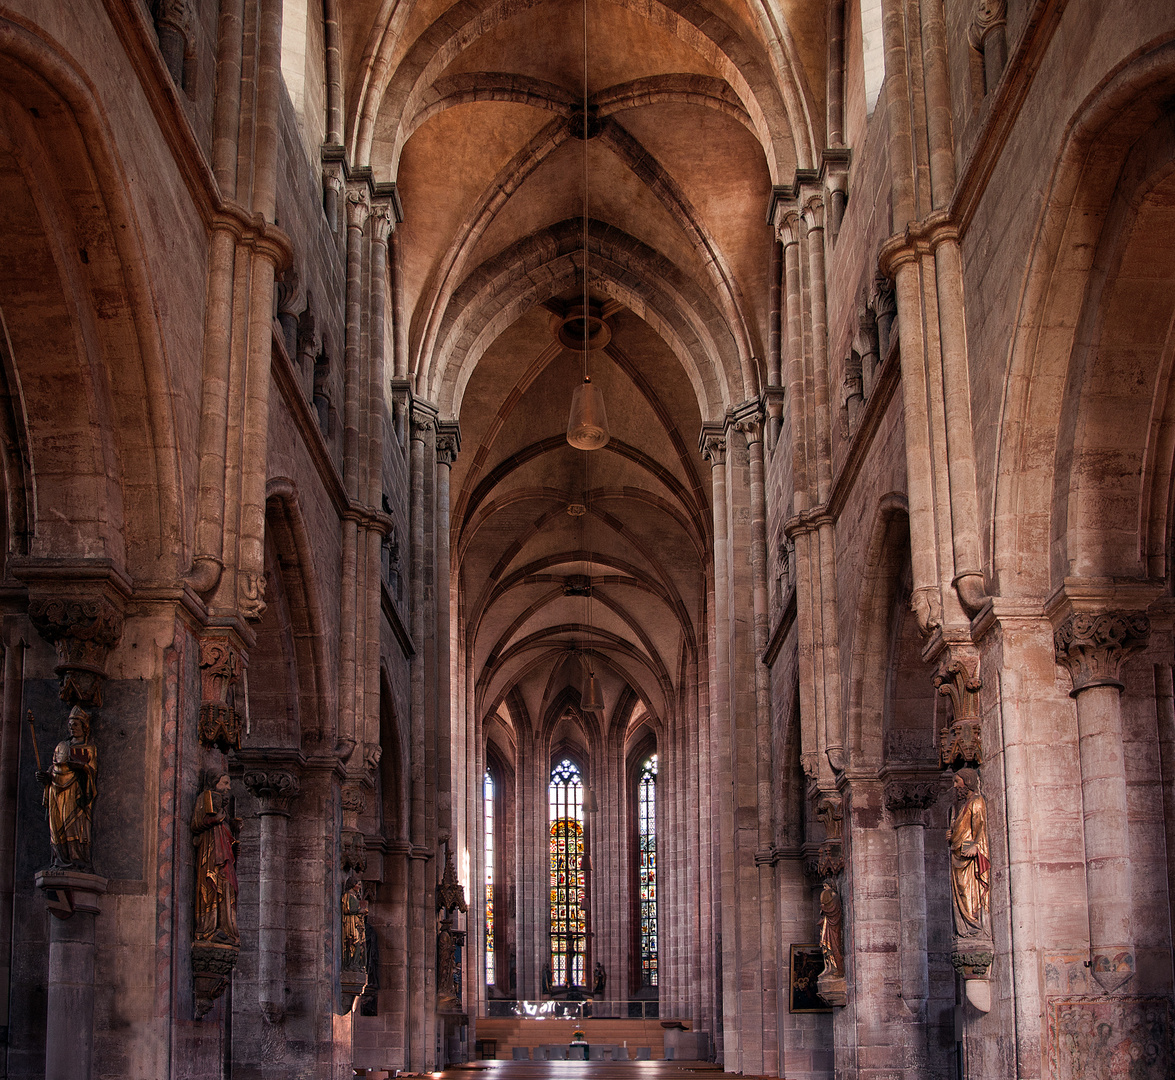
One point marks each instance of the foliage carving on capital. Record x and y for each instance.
(814, 213)
(907, 800)
(714, 449)
(83, 630)
(275, 789)
(751, 429)
(358, 206)
(381, 222)
(789, 228)
(1093, 647)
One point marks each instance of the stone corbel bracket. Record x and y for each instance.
(222, 667)
(958, 678)
(83, 621)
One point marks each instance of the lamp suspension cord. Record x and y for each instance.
(586, 309)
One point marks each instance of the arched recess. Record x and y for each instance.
(292, 583)
(891, 696)
(1083, 488)
(87, 373)
(395, 792)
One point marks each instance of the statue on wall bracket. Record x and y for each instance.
(216, 940)
(967, 837)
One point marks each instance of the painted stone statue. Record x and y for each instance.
(970, 857)
(71, 786)
(214, 835)
(354, 909)
(832, 931)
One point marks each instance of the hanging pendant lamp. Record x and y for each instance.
(587, 425)
(591, 700)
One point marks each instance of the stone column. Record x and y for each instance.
(1093, 647)
(722, 809)
(907, 803)
(274, 789)
(72, 899)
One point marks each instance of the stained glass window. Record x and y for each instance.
(568, 877)
(488, 794)
(647, 851)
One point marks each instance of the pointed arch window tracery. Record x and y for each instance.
(568, 871)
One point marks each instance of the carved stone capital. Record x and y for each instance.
(989, 16)
(274, 789)
(908, 800)
(789, 228)
(288, 287)
(422, 424)
(382, 221)
(1093, 647)
(961, 741)
(814, 213)
(714, 449)
(83, 629)
(751, 429)
(446, 450)
(358, 206)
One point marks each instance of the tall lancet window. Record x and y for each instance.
(647, 851)
(568, 877)
(488, 795)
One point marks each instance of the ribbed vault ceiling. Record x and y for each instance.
(471, 109)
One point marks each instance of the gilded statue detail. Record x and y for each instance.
(71, 786)
(214, 834)
(970, 857)
(354, 911)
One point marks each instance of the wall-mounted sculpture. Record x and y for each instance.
(967, 837)
(450, 898)
(216, 939)
(71, 786)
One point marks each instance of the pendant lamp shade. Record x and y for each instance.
(591, 700)
(587, 426)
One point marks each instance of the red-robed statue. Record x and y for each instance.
(214, 834)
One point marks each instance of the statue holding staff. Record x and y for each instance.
(71, 786)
